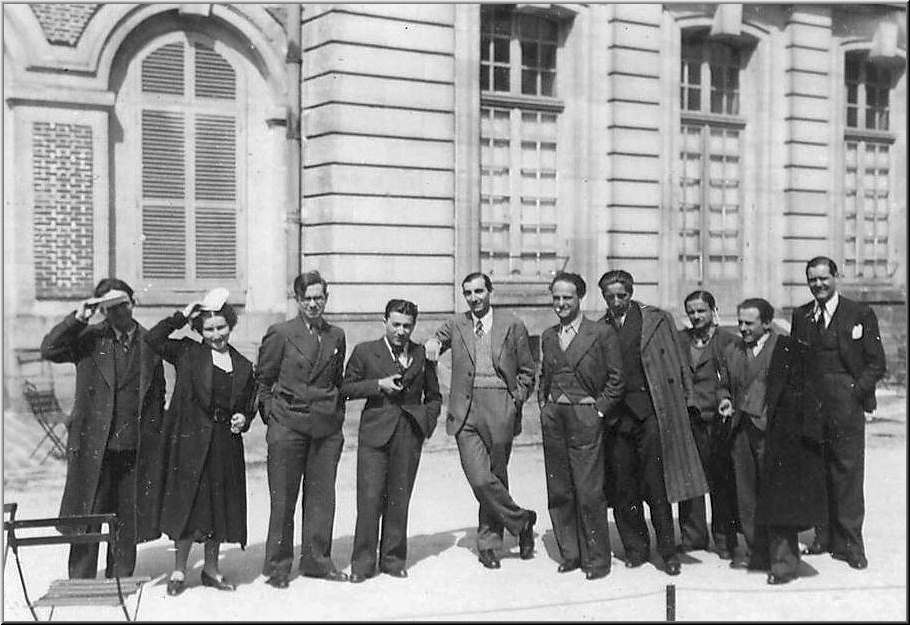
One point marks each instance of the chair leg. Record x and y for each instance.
(28, 601)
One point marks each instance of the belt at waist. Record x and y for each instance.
(565, 401)
(489, 381)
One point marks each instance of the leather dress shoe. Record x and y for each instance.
(331, 576)
(217, 582)
(814, 549)
(592, 575)
(488, 558)
(399, 573)
(356, 578)
(856, 561)
(634, 563)
(776, 580)
(277, 581)
(175, 587)
(565, 567)
(526, 538)
(672, 566)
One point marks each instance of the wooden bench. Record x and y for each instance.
(74, 592)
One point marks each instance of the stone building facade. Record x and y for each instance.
(398, 147)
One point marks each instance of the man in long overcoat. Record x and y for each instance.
(778, 429)
(113, 442)
(651, 451)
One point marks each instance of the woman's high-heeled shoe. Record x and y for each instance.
(214, 582)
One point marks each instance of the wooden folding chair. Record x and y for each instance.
(74, 592)
(9, 514)
(46, 409)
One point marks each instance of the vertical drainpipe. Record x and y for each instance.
(293, 63)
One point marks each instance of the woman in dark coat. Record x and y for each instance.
(204, 496)
(703, 346)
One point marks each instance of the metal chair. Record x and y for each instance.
(9, 514)
(46, 409)
(74, 592)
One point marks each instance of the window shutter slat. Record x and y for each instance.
(216, 242)
(163, 155)
(215, 78)
(162, 70)
(163, 241)
(216, 160)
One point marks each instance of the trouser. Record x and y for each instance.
(748, 459)
(116, 492)
(637, 470)
(574, 460)
(844, 451)
(293, 457)
(484, 446)
(714, 450)
(385, 480)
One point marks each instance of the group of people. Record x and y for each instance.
(632, 410)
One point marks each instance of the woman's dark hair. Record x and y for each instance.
(704, 296)
(227, 311)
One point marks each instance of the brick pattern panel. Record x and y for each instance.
(63, 24)
(63, 211)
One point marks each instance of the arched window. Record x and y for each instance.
(183, 107)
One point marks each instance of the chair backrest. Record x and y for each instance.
(44, 403)
(78, 523)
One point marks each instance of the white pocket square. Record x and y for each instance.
(857, 332)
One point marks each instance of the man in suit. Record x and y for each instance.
(581, 384)
(777, 453)
(300, 371)
(847, 351)
(492, 376)
(652, 453)
(112, 445)
(401, 410)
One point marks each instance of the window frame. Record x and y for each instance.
(127, 231)
(862, 136)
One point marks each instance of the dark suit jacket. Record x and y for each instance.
(707, 391)
(90, 348)
(863, 356)
(512, 361)
(420, 400)
(594, 354)
(300, 393)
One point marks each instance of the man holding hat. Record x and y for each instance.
(112, 446)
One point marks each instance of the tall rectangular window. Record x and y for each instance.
(709, 196)
(519, 145)
(867, 167)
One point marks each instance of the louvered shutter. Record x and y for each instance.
(164, 169)
(189, 166)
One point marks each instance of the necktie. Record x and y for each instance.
(820, 320)
(400, 360)
(478, 329)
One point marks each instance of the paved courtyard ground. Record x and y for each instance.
(447, 583)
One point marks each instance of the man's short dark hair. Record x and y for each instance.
(478, 274)
(114, 284)
(822, 260)
(581, 287)
(227, 311)
(617, 275)
(765, 309)
(402, 306)
(306, 280)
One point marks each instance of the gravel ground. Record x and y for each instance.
(447, 583)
